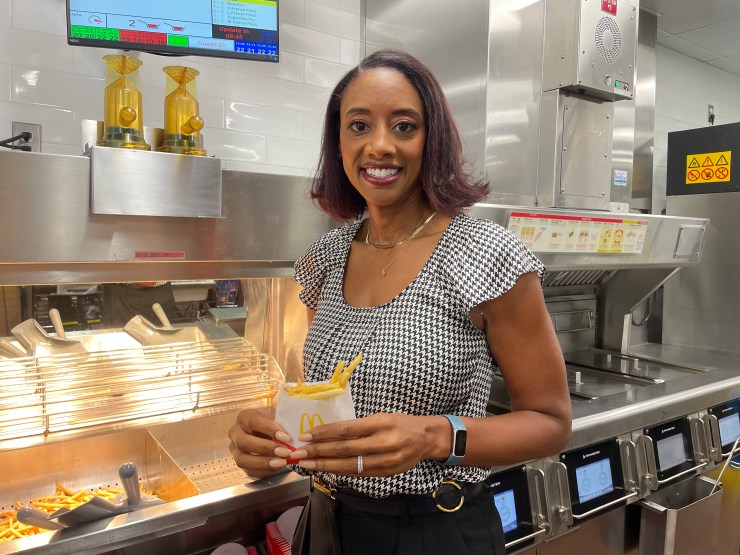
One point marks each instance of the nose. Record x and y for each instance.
(380, 143)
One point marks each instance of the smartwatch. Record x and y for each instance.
(459, 438)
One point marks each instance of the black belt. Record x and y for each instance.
(449, 497)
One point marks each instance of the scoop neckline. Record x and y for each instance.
(401, 293)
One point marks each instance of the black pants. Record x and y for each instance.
(472, 530)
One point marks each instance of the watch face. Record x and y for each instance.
(461, 437)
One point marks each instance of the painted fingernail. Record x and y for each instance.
(299, 454)
(277, 463)
(282, 436)
(308, 465)
(282, 452)
(306, 438)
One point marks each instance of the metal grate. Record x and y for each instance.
(216, 474)
(575, 277)
(59, 393)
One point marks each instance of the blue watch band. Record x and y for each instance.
(459, 440)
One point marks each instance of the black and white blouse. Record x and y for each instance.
(422, 355)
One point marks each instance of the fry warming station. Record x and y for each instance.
(75, 418)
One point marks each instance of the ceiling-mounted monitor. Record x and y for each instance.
(243, 29)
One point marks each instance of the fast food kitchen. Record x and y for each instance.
(549, 96)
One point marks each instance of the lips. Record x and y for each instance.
(380, 175)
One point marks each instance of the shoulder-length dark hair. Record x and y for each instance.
(447, 182)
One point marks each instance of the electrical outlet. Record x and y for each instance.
(34, 128)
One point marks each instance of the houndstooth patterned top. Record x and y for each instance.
(422, 355)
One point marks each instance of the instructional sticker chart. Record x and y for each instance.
(555, 233)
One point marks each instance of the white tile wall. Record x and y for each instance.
(4, 82)
(684, 87)
(4, 13)
(328, 19)
(259, 116)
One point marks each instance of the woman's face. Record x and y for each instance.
(381, 136)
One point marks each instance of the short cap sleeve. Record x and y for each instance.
(486, 262)
(327, 254)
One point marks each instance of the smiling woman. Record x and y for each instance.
(436, 301)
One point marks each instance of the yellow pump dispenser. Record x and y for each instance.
(182, 121)
(122, 104)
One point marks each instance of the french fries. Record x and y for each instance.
(11, 529)
(335, 386)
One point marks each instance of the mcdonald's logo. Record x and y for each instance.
(310, 421)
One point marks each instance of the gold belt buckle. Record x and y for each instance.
(453, 509)
(323, 488)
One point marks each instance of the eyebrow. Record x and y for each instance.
(400, 112)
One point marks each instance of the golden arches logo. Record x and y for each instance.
(310, 421)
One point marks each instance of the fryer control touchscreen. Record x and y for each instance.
(729, 428)
(594, 480)
(671, 452)
(594, 477)
(510, 493)
(507, 510)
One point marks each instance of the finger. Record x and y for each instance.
(259, 422)
(342, 449)
(257, 467)
(252, 453)
(347, 429)
(372, 465)
(252, 444)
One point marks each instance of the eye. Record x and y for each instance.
(405, 126)
(357, 126)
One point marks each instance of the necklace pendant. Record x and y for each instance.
(382, 273)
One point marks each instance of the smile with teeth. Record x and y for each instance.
(381, 172)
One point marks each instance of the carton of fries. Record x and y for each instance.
(302, 406)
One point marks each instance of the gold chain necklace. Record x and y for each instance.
(416, 232)
(386, 266)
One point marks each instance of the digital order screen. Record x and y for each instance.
(729, 428)
(594, 480)
(232, 28)
(507, 510)
(671, 452)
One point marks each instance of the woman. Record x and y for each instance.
(435, 301)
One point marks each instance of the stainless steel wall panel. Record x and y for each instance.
(452, 41)
(701, 305)
(513, 96)
(643, 119)
(584, 145)
(619, 181)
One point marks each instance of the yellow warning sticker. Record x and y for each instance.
(708, 167)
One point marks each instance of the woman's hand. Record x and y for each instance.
(389, 444)
(253, 442)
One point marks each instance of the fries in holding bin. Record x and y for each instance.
(302, 406)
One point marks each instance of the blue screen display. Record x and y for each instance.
(507, 510)
(594, 480)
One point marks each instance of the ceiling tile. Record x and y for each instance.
(689, 48)
(722, 38)
(663, 34)
(679, 16)
(726, 64)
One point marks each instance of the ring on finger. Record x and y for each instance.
(360, 465)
